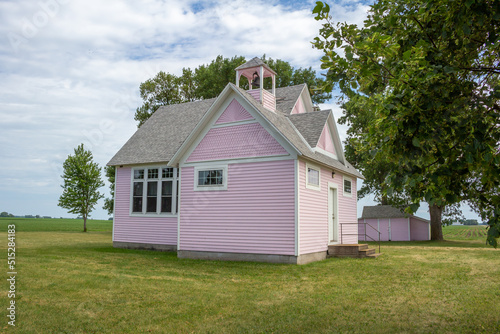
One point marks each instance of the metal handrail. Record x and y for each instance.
(371, 237)
(374, 240)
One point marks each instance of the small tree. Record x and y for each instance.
(82, 179)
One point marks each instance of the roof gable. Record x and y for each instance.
(233, 113)
(326, 141)
(230, 93)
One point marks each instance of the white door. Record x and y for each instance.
(333, 221)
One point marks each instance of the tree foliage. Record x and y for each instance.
(82, 180)
(429, 73)
(208, 80)
(109, 172)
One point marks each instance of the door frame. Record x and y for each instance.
(333, 207)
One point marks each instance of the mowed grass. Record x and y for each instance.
(74, 282)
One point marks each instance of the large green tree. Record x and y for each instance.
(435, 109)
(82, 180)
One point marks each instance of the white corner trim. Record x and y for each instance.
(409, 233)
(297, 207)
(179, 210)
(317, 168)
(114, 204)
(210, 187)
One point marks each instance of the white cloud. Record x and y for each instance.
(71, 70)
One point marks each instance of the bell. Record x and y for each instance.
(256, 80)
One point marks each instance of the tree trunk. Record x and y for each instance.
(436, 226)
(84, 223)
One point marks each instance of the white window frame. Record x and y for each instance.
(346, 194)
(309, 185)
(158, 213)
(210, 187)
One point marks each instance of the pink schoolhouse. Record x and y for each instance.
(251, 175)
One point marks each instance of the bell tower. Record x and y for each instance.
(255, 70)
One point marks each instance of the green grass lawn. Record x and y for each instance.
(74, 282)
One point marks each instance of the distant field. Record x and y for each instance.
(47, 225)
(74, 282)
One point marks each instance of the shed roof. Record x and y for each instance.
(385, 211)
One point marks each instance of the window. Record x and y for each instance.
(210, 178)
(153, 190)
(347, 186)
(313, 177)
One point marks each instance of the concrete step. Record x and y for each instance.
(368, 251)
(351, 250)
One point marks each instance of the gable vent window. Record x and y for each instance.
(153, 191)
(347, 186)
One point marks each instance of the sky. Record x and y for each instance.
(70, 72)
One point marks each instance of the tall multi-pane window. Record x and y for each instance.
(154, 191)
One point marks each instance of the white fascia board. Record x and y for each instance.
(336, 138)
(306, 99)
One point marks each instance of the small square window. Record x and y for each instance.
(167, 173)
(210, 179)
(313, 177)
(347, 187)
(153, 173)
(213, 177)
(139, 174)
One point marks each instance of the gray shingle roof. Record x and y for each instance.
(162, 134)
(385, 211)
(160, 137)
(287, 97)
(310, 125)
(285, 126)
(255, 61)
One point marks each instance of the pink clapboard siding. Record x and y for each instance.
(139, 229)
(313, 212)
(256, 214)
(234, 113)
(325, 141)
(399, 229)
(269, 99)
(244, 140)
(419, 229)
(299, 107)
